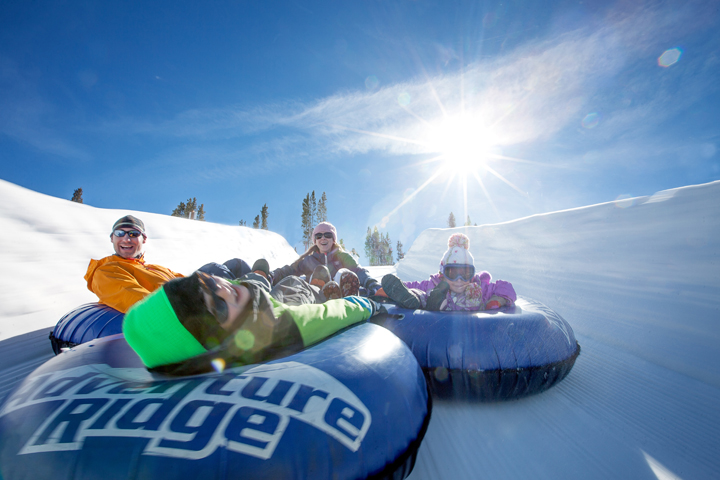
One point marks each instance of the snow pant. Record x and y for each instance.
(293, 290)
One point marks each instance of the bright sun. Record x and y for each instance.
(462, 142)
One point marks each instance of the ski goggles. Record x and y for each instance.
(318, 236)
(129, 233)
(459, 272)
(214, 303)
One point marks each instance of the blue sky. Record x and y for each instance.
(400, 111)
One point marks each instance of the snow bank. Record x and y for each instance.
(642, 274)
(47, 243)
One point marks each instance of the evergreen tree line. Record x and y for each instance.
(313, 212)
(261, 221)
(378, 248)
(190, 209)
(452, 224)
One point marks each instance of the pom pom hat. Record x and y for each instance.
(457, 252)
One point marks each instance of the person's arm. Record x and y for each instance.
(318, 321)
(282, 272)
(292, 269)
(117, 288)
(500, 293)
(425, 285)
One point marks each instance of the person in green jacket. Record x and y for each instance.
(202, 323)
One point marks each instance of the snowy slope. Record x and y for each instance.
(47, 243)
(639, 282)
(643, 275)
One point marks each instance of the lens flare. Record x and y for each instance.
(669, 57)
(591, 120)
(372, 82)
(404, 99)
(244, 340)
(218, 365)
(624, 201)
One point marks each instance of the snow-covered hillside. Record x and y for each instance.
(638, 280)
(48, 242)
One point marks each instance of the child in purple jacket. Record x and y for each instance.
(455, 287)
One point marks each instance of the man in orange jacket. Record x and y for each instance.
(123, 279)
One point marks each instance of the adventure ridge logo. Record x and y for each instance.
(246, 412)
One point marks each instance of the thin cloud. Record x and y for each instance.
(528, 95)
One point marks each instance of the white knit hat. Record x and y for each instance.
(323, 227)
(457, 252)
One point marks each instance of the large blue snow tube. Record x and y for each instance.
(354, 406)
(85, 323)
(491, 355)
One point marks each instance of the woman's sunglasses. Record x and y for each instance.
(462, 272)
(214, 303)
(318, 236)
(129, 233)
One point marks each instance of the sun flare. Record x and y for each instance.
(462, 142)
(461, 147)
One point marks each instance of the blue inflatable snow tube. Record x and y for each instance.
(353, 406)
(491, 355)
(85, 323)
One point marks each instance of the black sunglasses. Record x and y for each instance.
(129, 233)
(318, 236)
(216, 305)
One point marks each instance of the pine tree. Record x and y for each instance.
(342, 244)
(400, 253)
(322, 209)
(243, 223)
(377, 248)
(387, 250)
(179, 210)
(451, 220)
(264, 214)
(191, 206)
(185, 209)
(382, 250)
(368, 246)
(313, 210)
(77, 196)
(306, 225)
(387, 244)
(256, 222)
(468, 222)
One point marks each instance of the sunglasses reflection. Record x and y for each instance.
(213, 302)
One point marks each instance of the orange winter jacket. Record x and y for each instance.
(121, 282)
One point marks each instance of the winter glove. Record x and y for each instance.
(370, 305)
(372, 288)
(495, 302)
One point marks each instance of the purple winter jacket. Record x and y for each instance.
(455, 301)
